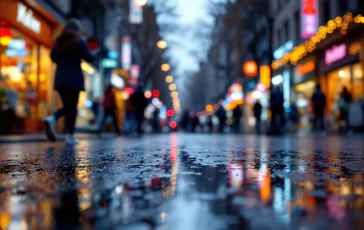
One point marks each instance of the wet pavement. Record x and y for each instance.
(184, 181)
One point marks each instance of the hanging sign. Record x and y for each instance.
(309, 18)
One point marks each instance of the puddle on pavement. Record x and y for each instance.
(180, 188)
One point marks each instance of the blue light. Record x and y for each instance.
(16, 53)
(113, 54)
(88, 103)
(155, 101)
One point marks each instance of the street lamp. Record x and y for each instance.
(169, 79)
(141, 2)
(172, 87)
(165, 67)
(162, 44)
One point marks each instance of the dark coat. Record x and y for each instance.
(69, 74)
(257, 110)
(109, 101)
(139, 102)
(319, 102)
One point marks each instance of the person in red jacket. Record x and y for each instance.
(109, 105)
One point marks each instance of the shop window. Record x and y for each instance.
(358, 88)
(19, 74)
(337, 80)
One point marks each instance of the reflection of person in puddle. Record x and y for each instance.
(68, 213)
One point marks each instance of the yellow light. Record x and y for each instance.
(165, 67)
(169, 79)
(162, 44)
(174, 94)
(5, 40)
(330, 23)
(362, 19)
(209, 108)
(87, 68)
(141, 2)
(172, 87)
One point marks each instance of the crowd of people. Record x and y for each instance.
(350, 115)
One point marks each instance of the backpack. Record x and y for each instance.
(355, 115)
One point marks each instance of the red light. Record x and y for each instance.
(170, 113)
(129, 90)
(155, 93)
(173, 124)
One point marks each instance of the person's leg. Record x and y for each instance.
(50, 121)
(115, 121)
(71, 110)
(103, 120)
(322, 122)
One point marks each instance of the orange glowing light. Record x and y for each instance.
(165, 67)
(265, 76)
(209, 108)
(306, 68)
(250, 68)
(148, 94)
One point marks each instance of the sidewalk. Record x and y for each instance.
(38, 137)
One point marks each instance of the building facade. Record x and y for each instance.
(331, 58)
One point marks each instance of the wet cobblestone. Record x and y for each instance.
(182, 181)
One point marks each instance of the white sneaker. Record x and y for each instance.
(49, 123)
(71, 140)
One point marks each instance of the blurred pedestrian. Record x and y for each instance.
(95, 109)
(344, 104)
(110, 107)
(185, 121)
(210, 124)
(276, 106)
(319, 103)
(221, 114)
(194, 122)
(129, 121)
(68, 52)
(139, 102)
(294, 116)
(156, 121)
(257, 109)
(237, 114)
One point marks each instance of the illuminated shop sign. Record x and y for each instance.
(281, 51)
(309, 18)
(126, 53)
(336, 53)
(306, 68)
(136, 13)
(25, 17)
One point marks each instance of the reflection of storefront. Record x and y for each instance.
(303, 89)
(339, 68)
(26, 71)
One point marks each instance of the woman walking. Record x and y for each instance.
(110, 106)
(68, 52)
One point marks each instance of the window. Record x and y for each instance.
(286, 32)
(297, 29)
(343, 6)
(325, 11)
(361, 6)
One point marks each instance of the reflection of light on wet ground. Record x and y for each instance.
(187, 182)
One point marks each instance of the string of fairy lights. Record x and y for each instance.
(302, 50)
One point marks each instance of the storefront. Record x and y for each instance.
(26, 70)
(340, 67)
(304, 83)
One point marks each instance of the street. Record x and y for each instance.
(184, 181)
